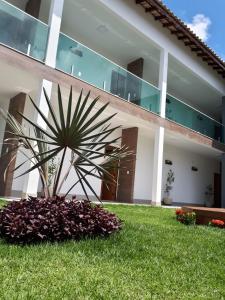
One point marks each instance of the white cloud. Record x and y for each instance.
(200, 25)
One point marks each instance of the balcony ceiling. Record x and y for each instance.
(98, 28)
(187, 86)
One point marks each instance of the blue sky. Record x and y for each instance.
(206, 18)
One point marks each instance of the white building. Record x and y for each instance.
(171, 110)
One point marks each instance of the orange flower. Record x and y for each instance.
(180, 211)
(217, 223)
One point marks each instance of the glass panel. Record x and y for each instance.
(189, 117)
(80, 61)
(22, 32)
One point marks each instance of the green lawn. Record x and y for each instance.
(154, 257)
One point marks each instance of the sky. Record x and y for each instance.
(205, 17)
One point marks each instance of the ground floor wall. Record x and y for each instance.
(189, 185)
(144, 168)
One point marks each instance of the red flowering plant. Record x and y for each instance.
(217, 223)
(184, 217)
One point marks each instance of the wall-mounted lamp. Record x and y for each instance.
(168, 101)
(194, 169)
(168, 162)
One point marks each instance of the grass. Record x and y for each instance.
(2, 202)
(154, 257)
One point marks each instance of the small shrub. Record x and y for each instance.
(217, 223)
(187, 218)
(55, 219)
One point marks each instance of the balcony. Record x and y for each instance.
(79, 61)
(22, 32)
(183, 114)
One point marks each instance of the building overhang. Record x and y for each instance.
(183, 33)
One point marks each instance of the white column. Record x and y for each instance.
(159, 135)
(32, 179)
(163, 70)
(54, 24)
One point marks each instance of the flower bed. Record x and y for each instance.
(55, 219)
(187, 218)
(217, 223)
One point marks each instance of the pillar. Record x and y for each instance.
(16, 105)
(32, 179)
(54, 24)
(33, 8)
(159, 134)
(126, 176)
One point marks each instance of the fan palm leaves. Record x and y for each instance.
(23, 145)
(81, 129)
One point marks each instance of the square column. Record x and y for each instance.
(54, 23)
(159, 135)
(16, 104)
(55, 16)
(31, 181)
(126, 176)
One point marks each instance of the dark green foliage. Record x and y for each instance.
(55, 219)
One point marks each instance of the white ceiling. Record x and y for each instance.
(180, 141)
(98, 28)
(187, 86)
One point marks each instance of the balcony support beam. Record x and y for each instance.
(159, 135)
(54, 23)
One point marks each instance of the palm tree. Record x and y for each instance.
(82, 130)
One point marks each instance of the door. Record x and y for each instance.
(109, 190)
(217, 190)
(134, 83)
(118, 84)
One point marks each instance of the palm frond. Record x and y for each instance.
(82, 130)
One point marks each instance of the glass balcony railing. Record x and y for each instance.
(85, 64)
(187, 116)
(22, 32)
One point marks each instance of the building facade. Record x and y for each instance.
(165, 84)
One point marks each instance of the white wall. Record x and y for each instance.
(144, 167)
(189, 186)
(72, 178)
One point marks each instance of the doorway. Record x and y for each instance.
(217, 190)
(109, 190)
